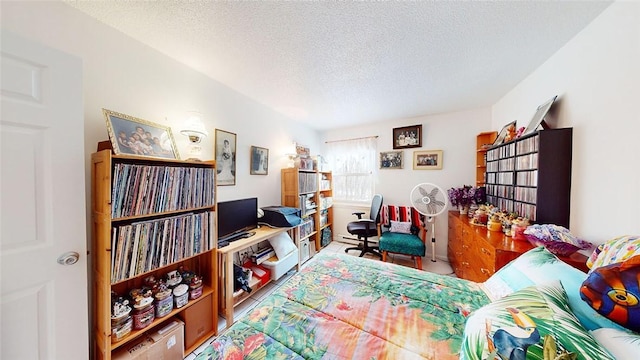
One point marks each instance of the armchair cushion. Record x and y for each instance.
(408, 244)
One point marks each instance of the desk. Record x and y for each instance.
(225, 263)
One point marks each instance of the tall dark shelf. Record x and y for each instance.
(532, 176)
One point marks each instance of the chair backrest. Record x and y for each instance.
(376, 205)
(402, 214)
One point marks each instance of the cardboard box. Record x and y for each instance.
(199, 320)
(166, 343)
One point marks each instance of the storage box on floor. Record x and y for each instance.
(166, 343)
(199, 320)
(279, 267)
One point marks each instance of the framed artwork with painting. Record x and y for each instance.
(225, 157)
(259, 161)
(133, 136)
(407, 137)
(427, 160)
(391, 159)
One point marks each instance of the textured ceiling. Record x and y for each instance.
(341, 63)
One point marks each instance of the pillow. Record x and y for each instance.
(621, 344)
(538, 266)
(613, 291)
(613, 251)
(526, 322)
(282, 245)
(400, 227)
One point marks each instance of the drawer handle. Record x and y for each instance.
(466, 247)
(485, 251)
(464, 263)
(485, 271)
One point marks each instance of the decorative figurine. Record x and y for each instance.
(173, 278)
(119, 306)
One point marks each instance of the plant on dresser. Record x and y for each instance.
(153, 243)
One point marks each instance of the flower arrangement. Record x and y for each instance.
(466, 195)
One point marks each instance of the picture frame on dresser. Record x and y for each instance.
(133, 136)
(503, 133)
(225, 153)
(538, 117)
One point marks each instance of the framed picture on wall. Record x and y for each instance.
(259, 161)
(407, 137)
(225, 157)
(133, 136)
(391, 159)
(427, 160)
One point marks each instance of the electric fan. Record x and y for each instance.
(430, 200)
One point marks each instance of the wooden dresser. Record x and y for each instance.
(476, 253)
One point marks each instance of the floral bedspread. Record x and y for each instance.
(344, 307)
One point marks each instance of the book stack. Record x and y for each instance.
(307, 182)
(146, 189)
(143, 246)
(262, 255)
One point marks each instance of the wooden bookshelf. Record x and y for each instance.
(141, 200)
(299, 189)
(482, 140)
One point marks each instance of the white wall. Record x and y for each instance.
(126, 76)
(453, 133)
(596, 75)
(597, 78)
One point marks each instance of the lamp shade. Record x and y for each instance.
(194, 128)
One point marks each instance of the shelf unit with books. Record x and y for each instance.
(483, 141)
(531, 175)
(310, 191)
(150, 217)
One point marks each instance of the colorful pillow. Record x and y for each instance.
(614, 251)
(400, 227)
(523, 324)
(614, 292)
(621, 344)
(539, 266)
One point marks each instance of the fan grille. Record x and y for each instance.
(428, 199)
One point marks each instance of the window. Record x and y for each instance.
(354, 166)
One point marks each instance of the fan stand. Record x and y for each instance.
(437, 267)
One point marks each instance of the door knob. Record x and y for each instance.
(68, 258)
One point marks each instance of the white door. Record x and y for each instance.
(42, 180)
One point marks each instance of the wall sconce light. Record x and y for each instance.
(194, 129)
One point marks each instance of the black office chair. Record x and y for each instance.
(364, 228)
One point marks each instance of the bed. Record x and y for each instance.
(344, 307)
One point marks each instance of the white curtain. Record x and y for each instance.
(353, 163)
